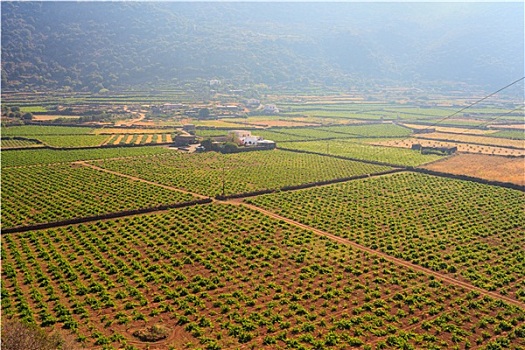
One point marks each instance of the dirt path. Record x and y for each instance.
(134, 178)
(398, 261)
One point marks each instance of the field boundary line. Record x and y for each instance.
(134, 178)
(388, 257)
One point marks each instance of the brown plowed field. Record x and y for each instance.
(487, 167)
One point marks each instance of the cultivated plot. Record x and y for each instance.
(223, 276)
(470, 231)
(363, 151)
(209, 173)
(47, 156)
(41, 194)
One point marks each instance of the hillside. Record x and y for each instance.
(88, 46)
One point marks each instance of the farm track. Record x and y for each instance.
(395, 260)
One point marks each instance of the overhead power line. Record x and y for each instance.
(475, 103)
(499, 116)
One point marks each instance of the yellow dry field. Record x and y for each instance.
(113, 131)
(495, 168)
(118, 140)
(169, 138)
(139, 139)
(453, 130)
(462, 147)
(128, 139)
(474, 139)
(509, 126)
(45, 118)
(149, 138)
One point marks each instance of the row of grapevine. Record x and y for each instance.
(7, 143)
(72, 141)
(359, 149)
(242, 172)
(38, 130)
(47, 156)
(222, 276)
(41, 194)
(470, 231)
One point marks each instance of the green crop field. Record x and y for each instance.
(359, 150)
(33, 109)
(18, 143)
(508, 134)
(33, 130)
(242, 172)
(371, 130)
(47, 156)
(471, 231)
(72, 141)
(390, 259)
(41, 194)
(224, 277)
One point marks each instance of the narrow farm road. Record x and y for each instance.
(395, 260)
(134, 178)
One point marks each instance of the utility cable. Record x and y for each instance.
(498, 117)
(475, 103)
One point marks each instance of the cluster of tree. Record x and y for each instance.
(96, 46)
(15, 113)
(225, 147)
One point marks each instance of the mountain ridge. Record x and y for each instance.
(94, 45)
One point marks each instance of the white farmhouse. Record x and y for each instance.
(271, 109)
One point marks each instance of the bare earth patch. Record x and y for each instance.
(487, 167)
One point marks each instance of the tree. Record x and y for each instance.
(22, 336)
(207, 144)
(229, 147)
(204, 113)
(28, 116)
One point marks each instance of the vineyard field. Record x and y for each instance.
(205, 173)
(362, 151)
(470, 231)
(42, 194)
(48, 156)
(33, 130)
(509, 134)
(72, 141)
(224, 277)
(137, 139)
(18, 143)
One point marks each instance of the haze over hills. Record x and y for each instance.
(87, 46)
